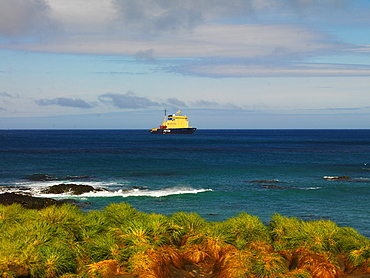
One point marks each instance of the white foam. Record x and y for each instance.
(129, 193)
(120, 188)
(330, 177)
(33, 187)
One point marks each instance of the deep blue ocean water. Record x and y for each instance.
(216, 173)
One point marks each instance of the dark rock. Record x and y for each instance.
(192, 268)
(27, 201)
(190, 271)
(139, 187)
(75, 189)
(338, 178)
(19, 188)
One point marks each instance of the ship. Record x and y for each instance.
(174, 124)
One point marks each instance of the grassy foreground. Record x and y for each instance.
(66, 242)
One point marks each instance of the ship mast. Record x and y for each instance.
(165, 115)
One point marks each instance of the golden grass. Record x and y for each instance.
(195, 254)
(65, 242)
(236, 264)
(156, 263)
(104, 269)
(318, 265)
(297, 273)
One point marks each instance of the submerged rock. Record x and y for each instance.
(47, 177)
(267, 183)
(75, 189)
(275, 186)
(262, 181)
(41, 177)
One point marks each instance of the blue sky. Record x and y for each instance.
(226, 64)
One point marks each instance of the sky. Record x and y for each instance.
(226, 64)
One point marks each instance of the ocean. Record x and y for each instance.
(215, 173)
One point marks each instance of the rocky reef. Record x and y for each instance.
(74, 189)
(28, 201)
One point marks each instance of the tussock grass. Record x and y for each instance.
(65, 242)
(103, 269)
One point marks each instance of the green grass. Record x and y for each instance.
(64, 241)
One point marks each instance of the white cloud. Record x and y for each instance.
(143, 19)
(76, 16)
(214, 40)
(154, 17)
(25, 18)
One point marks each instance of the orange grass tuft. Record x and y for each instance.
(236, 264)
(156, 263)
(209, 249)
(364, 268)
(269, 265)
(318, 265)
(195, 254)
(172, 256)
(103, 269)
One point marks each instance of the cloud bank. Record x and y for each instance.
(143, 19)
(130, 100)
(248, 30)
(65, 102)
(126, 101)
(5, 94)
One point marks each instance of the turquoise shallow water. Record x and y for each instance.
(216, 173)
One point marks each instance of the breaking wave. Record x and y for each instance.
(35, 189)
